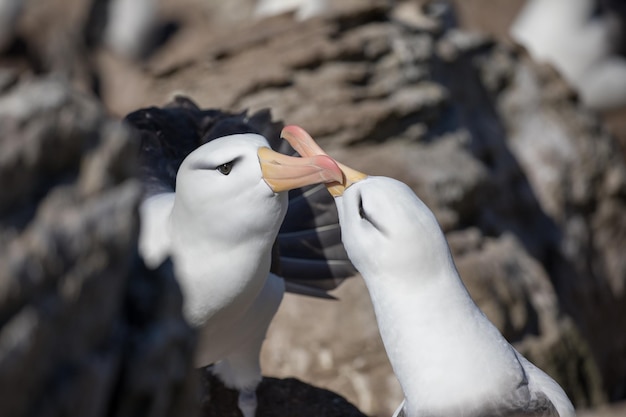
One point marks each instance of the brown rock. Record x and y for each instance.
(579, 178)
(85, 328)
(277, 398)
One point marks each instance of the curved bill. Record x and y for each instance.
(283, 173)
(304, 144)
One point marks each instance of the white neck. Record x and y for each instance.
(218, 279)
(437, 340)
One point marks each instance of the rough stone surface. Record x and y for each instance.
(579, 177)
(334, 345)
(85, 328)
(277, 398)
(527, 185)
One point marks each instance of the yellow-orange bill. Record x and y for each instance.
(283, 173)
(304, 144)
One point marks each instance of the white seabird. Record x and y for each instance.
(304, 9)
(219, 227)
(130, 26)
(449, 358)
(580, 39)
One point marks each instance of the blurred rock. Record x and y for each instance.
(579, 177)
(85, 328)
(49, 39)
(516, 294)
(614, 410)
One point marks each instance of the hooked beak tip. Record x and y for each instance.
(306, 146)
(283, 173)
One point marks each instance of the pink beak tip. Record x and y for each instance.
(329, 165)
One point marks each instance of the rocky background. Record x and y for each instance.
(529, 187)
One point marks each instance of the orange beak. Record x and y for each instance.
(304, 144)
(283, 173)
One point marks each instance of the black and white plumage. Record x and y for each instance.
(309, 254)
(215, 204)
(448, 357)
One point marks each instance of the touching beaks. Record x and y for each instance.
(283, 173)
(304, 144)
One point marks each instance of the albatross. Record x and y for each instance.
(219, 224)
(449, 358)
(583, 44)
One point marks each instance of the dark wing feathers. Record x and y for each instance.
(311, 207)
(311, 257)
(167, 136)
(170, 133)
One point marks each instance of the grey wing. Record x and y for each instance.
(312, 256)
(517, 405)
(537, 395)
(539, 406)
(545, 390)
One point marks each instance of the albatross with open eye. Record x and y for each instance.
(219, 227)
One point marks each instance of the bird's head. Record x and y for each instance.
(387, 230)
(235, 186)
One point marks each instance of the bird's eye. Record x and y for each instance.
(361, 210)
(225, 168)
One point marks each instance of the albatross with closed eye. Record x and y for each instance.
(449, 358)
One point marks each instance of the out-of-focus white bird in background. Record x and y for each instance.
(582, 39)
